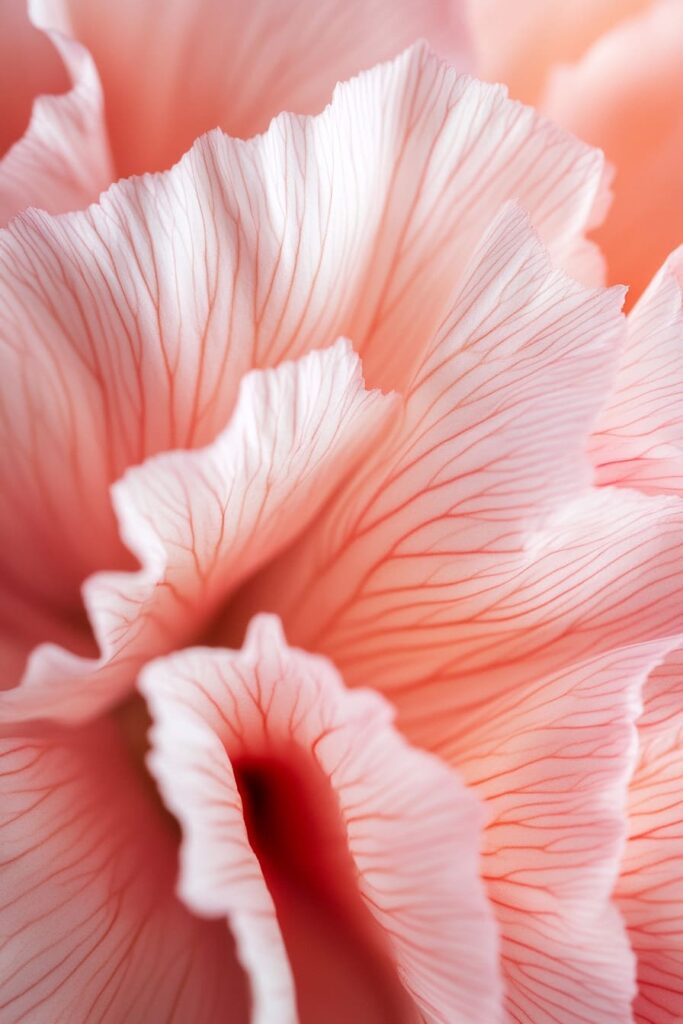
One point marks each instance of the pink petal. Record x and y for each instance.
(650, 889)
(59, 159)
(626, 96)
(172, 70)
(638, 440)
(519, 43)
(552, 762)
(128, 326)
(491, 443)
(394, 871)
(91, 928)
(200, 521)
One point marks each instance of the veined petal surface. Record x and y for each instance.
(638, 439)
(369, 850)
(125, 329)
(201, 521)
(54, 152)
(91, 928)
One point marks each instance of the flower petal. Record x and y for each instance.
(408, 830)
(650, 888)
(491, 443)
(61, 160)
(125, 329)
(638, 440)
(172, 70)
(626, 96)
(91, 928)
(201, 521)
(552, 762)
(519, 43)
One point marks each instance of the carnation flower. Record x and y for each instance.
(341, 619)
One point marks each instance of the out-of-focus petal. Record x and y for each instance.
(650, 888)
(518, 43)
(201, 521)
(626, 96)
(172, 70)
(125, 329)
(57, 154)
(370, 850)
(638, 439)
(552, 762)
(491, 443)
(90, 927)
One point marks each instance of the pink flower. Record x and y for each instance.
(305, 432)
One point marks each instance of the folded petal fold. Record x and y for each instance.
(91, 929)
(61, 160)
(201, 521)
(391, 871)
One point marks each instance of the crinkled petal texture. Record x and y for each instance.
(200, 522)
(173, 69)
(638, 440)
(467, 497)
(626, 96)
(345, 861)
(125, 329)
(54, 152)
(552, 762)
(650, 887)
(91, 929)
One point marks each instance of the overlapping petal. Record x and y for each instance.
(519, 43)
(447, 520)
(626, 96)
(552, 761)
(201, 521)
(59, 154)
(125, 329)
(172, 70)
(91, 929)
(395, 870)
(638, 439)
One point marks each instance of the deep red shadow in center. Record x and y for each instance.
(337, 953)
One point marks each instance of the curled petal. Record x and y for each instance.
(638, 439)
(61, 161)
(393, 870)
(125, 329)
(201, 521)
(491, 444)
(91, 929)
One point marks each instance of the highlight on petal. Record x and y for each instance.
(200, 521)
(552, 761)
(91, 929)
(126, 328)
(650, 888)
(327, 842)
(491, 444)
(172, 70)
(626, 96)
(638, 439)
(58, 156)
